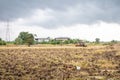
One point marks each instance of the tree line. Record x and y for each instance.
(26, 38)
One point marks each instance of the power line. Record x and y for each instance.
(7, 31)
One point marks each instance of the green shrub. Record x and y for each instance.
(2, 42)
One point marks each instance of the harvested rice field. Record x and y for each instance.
(60, 63)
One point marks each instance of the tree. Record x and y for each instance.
(18, 41)
(25, 38)
(2, 42)
(114, 41)
(97, 40)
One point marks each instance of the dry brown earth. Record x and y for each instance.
(59, 63)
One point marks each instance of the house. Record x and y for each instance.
(43, 39)
(62, 38)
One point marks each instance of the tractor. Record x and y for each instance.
(81, 44)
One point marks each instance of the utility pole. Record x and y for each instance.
(7, 31)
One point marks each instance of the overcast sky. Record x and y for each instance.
(83, 19)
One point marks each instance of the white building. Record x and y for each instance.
(62, 38)
(43, 39)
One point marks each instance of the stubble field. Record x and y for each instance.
(60, 63)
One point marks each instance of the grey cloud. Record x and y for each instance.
(87, 13)
(12, 9)
(84, 11)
